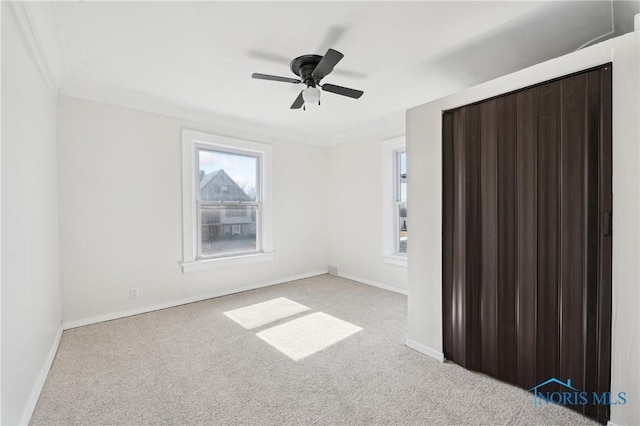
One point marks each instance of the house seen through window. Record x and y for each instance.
(228, 203)
(401, 201)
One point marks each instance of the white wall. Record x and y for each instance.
(121, 213)
(354, 211)
(424, 139)
(30, 276)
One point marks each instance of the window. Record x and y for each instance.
(226, 202)
(400, 176)
(394, 208)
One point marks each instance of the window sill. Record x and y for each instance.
(395, 259)
(200, 265)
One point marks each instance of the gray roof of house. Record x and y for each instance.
(217, 178)
(208, 177)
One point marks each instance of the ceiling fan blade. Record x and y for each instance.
(297, 104)
(349, 74)
(331, 38)
(344, 91)
(326, 64)
(275, 78)
(266, 56)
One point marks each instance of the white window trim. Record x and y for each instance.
(390, 148)
(191, 139)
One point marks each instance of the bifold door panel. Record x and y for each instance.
(527, 234)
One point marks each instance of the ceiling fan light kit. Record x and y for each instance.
(311, 96)
(312, 69)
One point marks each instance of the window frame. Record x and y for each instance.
(192, 143)
(391, 149)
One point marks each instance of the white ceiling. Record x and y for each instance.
(401, 54)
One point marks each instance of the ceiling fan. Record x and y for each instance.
(312, 69)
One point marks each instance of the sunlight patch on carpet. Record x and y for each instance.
(265, 312)
(307, 335)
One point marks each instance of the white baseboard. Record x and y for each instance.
(150, 308)
(425, 350)
(40, 379)
(373, 283)
(610, 423)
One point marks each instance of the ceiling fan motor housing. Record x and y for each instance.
(303, 67)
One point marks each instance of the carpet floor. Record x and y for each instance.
(194, 365)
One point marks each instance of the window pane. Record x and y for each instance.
(227, 177)
(228, 229)
(402, 178)
(402, 227)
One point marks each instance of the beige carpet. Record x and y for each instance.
(194, 365)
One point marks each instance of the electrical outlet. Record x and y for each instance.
(134, 292)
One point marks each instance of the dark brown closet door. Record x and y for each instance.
(526, 234)
(548, 314)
